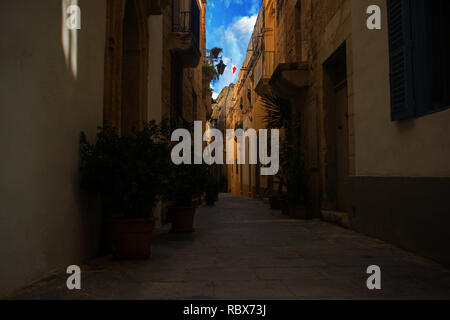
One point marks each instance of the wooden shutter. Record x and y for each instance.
(401, 59)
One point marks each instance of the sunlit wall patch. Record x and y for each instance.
(70, 24)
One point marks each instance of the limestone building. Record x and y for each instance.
(220, 110)
(131, 61)
(374, 112)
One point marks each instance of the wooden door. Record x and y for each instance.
(341, 103)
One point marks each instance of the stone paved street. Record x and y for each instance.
(243, 250)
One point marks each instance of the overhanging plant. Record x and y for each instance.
(215, 52)
(210, 72)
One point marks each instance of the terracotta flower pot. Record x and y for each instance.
(298, 212)
(131, 238)
(284, 207)
(275, 203)
(183, 219)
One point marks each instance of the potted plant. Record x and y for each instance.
(279, 199)
(210, 72)
(211, 191)
(223, 184)
(125, 171)
(276, 196)
(297, 189)
(186, 184)
(215, 52)
(278, 115)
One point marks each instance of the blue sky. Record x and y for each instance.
(229, 25)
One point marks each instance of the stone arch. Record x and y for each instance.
(126, 65)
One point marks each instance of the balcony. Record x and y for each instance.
(289, 79)
(263, 71)
(184, 40)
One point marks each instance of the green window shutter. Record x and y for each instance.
(401, 60)
(422, 81)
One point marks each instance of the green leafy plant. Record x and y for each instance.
(185, 184)
(278, 112)
(297, 181)
(223, 183)
(210, 72)
(215, 52)
(278, 115)
(292, 174)
(126, 171)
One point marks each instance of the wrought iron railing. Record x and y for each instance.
(186, 17)
(268, 63)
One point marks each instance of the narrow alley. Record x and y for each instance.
(303, 140)
(243, 250)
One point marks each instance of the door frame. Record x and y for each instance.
(112, 101)
(334, 75)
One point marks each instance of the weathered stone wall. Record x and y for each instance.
(167, 58)
(285, 30)
(323, 27)
(192, 77)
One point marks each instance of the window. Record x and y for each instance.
(419, 57)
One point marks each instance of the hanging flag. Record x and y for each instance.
(234, 69)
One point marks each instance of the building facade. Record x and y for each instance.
(132, 61)
(220, 109)
(373, 110)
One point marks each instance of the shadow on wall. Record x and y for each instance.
(51, 89)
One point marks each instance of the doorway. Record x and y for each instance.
(126, 65)
(130, 117)
(336, 131)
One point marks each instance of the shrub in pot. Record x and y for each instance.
(277, 197)
(284, 205)
(127, 173)
(223, 184)
(275, 202)
(211, 190)
(186, 183)
(215, 52)
(297, 189)
(278, 200)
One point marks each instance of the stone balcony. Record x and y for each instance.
(290, 78)
(263, 71)
(184, 40)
